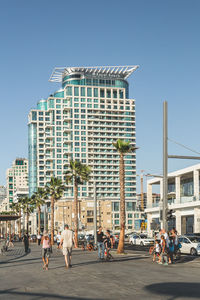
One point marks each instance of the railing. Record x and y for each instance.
(186, 199)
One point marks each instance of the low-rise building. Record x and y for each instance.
(183, 199)
(64, 213)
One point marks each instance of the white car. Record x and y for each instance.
(141, 239)
(190, 244)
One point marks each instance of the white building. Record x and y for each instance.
(183, 198)
(80, 122)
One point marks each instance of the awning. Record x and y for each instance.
(9, 217)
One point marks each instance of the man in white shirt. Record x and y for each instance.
(67, 242)
(39, 237)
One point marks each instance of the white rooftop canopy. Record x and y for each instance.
(122, 72)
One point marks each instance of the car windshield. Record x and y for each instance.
(194, 239)
(143, 236)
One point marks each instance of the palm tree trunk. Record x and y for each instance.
(52, 220)
(39, 219)
(120, 248)
(19, 226)
(27, 223)
(75, 214)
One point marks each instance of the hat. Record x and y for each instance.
(45, 233)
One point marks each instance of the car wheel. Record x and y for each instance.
(141, 244)
(193, 252)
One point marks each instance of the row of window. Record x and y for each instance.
(94, 92)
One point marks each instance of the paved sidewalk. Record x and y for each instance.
(131, 276)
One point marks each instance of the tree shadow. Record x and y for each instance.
(37, 295)
(175, 289)
(13, 259)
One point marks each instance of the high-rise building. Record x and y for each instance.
(81, 121)
(2, 193)
(17, 179)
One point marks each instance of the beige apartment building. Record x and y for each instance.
(64, 214)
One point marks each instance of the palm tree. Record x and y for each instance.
(78, 173)
(16, 207)
(123, 148)
(39, 198)
(27, 206)
(55, 189)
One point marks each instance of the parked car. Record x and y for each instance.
(141, 239)
(190, 244)
(193, 234)
(81, 237)
(89, 237)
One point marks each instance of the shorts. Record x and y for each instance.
(46, 252)
(67, 251)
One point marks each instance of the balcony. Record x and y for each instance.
(187, 199)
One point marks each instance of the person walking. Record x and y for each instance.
(108, 242)
(100, 243)
(46, 246)
(163, 257)
(39, 238)
(67, 242)
(58, 239)
(26, 242)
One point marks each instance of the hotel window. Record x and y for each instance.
(121, 94)
(108, 93)
(96, 92)
(102, 93)
(76, 91)
(89, 92)
(69, 90)
(82, 91)
(114, 94)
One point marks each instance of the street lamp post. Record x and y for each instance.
(95, 214)
(165, 165)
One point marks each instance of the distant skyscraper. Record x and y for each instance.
(17, 178)
(81, 121)
(2, 193)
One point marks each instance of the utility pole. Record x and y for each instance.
(95, 214)
(142, 191)
(165, 165)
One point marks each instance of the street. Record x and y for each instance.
(129, 276)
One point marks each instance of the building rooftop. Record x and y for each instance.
(120, 72)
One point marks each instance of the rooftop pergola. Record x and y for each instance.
(122, 72)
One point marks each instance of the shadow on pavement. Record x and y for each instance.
(185, 259)
(111, 261)
(13, 259)
(175, 289)
(32, 295)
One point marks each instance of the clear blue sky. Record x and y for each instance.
(160, 36)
